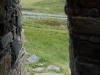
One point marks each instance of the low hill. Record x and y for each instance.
(44, 6)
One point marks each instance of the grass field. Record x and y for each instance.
(49, 40)
(44, 6)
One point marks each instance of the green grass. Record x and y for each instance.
(48, 39)
(44, 6)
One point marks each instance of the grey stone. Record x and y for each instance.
(32, 59)
(38, 69)
(21, 53)
(15, 48)
(86, 25)
(6, 39)
(48, 74)
(19, 25)
(22, 37)
(13, 71)
(53, 67)
(25, 72)
(5, 28)
(5, 64)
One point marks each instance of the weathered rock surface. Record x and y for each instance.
(32, 59)
(86, 25)
(84, 31)
(5, 40)
(48, 74)
(19, 66)
(22, 37)
(86, 66)
(5, 64)
(53, 67)
(12, 55)
(38, 69)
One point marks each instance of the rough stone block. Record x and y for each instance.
(25, 72)
(87, 12)
(18, 68)
(85, 66)
(92, 39)
(87, 49)
(5, 40)
(5, 64)
(19, 23)
(18, 1)
(13, 71)
(22, 37)
(86, 25)
(2, 10)
(5, 27)
(15, 48)
(22, 64)
(89, 3)
(21, 61)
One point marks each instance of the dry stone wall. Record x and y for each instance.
(12, 55)
(84, 31)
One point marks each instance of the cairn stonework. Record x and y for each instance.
(84, 31)
(12, 55)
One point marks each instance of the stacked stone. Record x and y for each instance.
(84, 31)
(12, 59)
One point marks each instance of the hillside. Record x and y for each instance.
(44, 6)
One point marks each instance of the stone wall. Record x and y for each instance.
(84, 31)
(12, 55)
